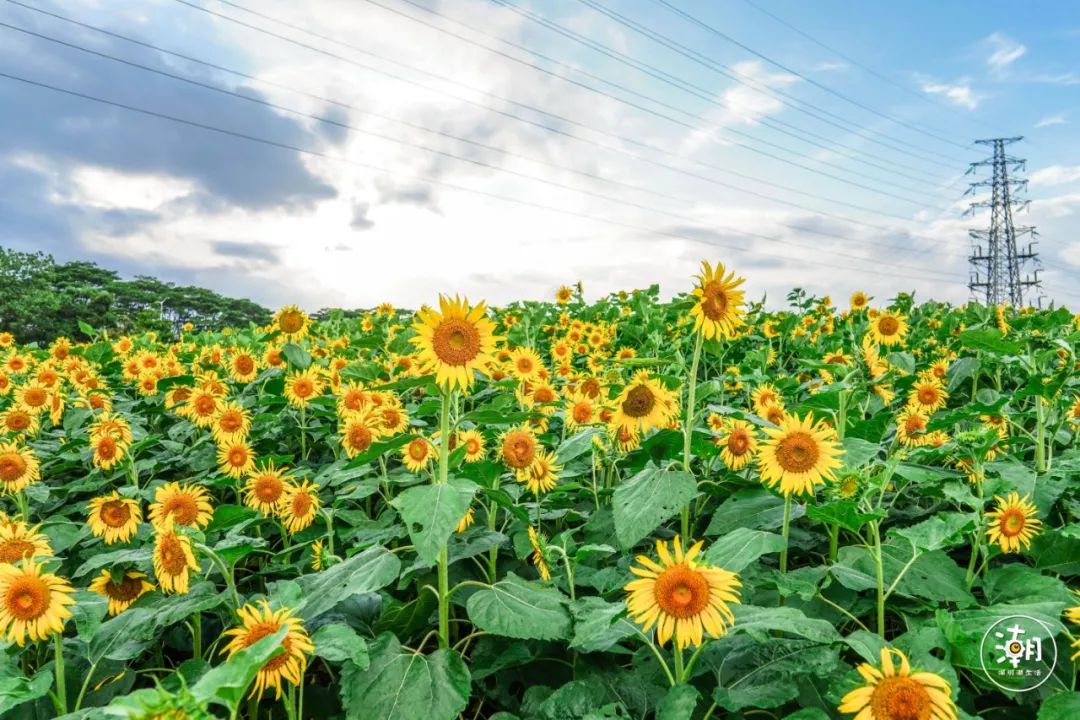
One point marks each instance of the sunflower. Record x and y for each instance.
(859, 300)
(716, 422)
(265, 488)
(563, 295)
(626, 439)
(123, 592)
(300, 505)
(891, 694)
(352, 397)
(292, 322)
(244, 367)
(1013, 522)
(473, 442)
(454, 342)
(173, 558)
(888, 328)
(235, 458)
(418, 453)
(259, 621)
(776, 414)
(232, 422)
(765, 395)
(466, 521)
(17, 421)
(302, 387)
(19, 541)
(519, 447)
(187, 505)
(911, 426)
(1074, 411)
(738, 444)
(542, 475)
(114, 518)
(798, 455)
(359, 430)
(928, 395)
(393, 417)
(107, 452)
(681, 597)
(644, 404)
(719, 309)
(33, 398)
(34, 602)
(201, 407)
(579, 411)
(525, 363)
(538, 542)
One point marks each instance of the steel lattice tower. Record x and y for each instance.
(996, 263)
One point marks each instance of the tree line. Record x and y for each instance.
(41, 299)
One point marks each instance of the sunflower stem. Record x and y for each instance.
(679, 670)
(785, 532)
(688, 429)
(880, 571)
(444, 473)
(1040, 436)
(303, 433)
(196, 635)
(61, 689)
(493, 554)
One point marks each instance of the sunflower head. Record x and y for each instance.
(259, 621)
(18, 467)
(300, 505)
(173, 558)
(1013, 522)
(897, 693)
(188, 505)
(292, 322)
(644, 404)
(265, 488)
(114, 518)
(888, 328)
(737, 444)
(19, 541)
(33, 603)
(121, 589)
(454, 342)
(799, 455)
(719, 310)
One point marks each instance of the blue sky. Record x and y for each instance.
(408, 159)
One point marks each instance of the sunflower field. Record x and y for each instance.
(632, 508)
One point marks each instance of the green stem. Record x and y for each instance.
(61, 689)
(1040, 436)
(493, 554)
(225, 572)
(303, 432)
(444, 476)
(834, 540)
(85, 685)
(679, 670)
(196, 635)
(880, 569)
(688, 430)
(785, 532)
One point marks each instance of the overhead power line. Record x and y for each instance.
(742, 248)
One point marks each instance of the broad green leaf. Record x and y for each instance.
(521, 609)
(859, 452)
(753, 507)
(298, 357)
(844, 513)
(646, 500)
(16, 690)
(575, 446)
(867, 644)
(227, 683)
(1063, 706)
(88, 612)
(579, 700)
(758, 621)
(960, 370)
(402, 685)
(759, 674)
(1057, 552)
(598, 624)
(431, 512)
(990, 340)
(139, 556)
(1017, 582)
(364, 572)
(742, 546)
(679, 703)
(941, 531)
(337, 642)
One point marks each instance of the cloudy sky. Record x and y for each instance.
(346, 152)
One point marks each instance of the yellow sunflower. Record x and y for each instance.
(19, 541)
(34, 602)
(292, 322)
(235, 458)
(798, 455)
(259, 621)
(232, 422)
(108, 452)
(738, 444)
(114, 518)
(899, 694)
(466, 521)
(123, 592)
(188, 505)
(542, 475)
(265, 488)
(644, 404)
(525, 363)
(455, 342)
(911, 426)
(764, 396)
(393, 417)
(563, 295)
(244, 367)
(519, 447)
(928, 395)
(859, 300)
(303, 387)
(888, 328)
(359, 430)
(173, 558)
(300, 505)
(681, 596)
(719, 310)
(537, 542)
(1013, 522)
(33, 398)
(201, 407)
(418, 453)
(474, 445)
(17, 421)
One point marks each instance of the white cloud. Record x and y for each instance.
(958, 92)
(1055, 175)
(1004, 51)
(1058, 119)
(1068, 78)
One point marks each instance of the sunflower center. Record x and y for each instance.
(1012, 522)
(238, 456)
(797, 453)
(472, 446)
(774, 415)
(681, 591)
(126, 590)
(901, 698)
(182, 508)
(591, 387)
(456, 341)
(582, 412)
(27, 598)
(172, 555)
(302, 387)
(244, 364)
(115, 513)
(268, 488)
(12, 467)
(914, 424)
(35, 397)
(519, 449)
(738, 443)
(106, 449)
(524, 365)
(927, 396)
(301, 504)
(390, 417)
(291, 322)
(18, 421)
(205, 405)
(15, 550)
(714, 301)
(639, 401)
(353, 400)
(888, 325)
(359, 437)
(231, 421)
(417, 450)
(544, 395)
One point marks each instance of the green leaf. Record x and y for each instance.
(859, 452)
(16, 689)
(598, 624)
(761, 674)
(990, 340)
(648, 499)
(431, 512)
(364, 572)
(844, 513)
(758, 621)
(89, 610)
(753, 507)
(337, 642)
(679, 703)
(941, 531)
(1063, 706)
(520, 609)
(87, 329)
(575, 446)
(1017, 582)
(961, 370)
(116, 557)
(297, 356)
(402, 685)
(742, 546)
(227, 683)
(1057, 552)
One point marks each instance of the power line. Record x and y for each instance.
(705, 26)
(795, 132)
(518, 118)
(434, 181)
(195, 6)
(436, 151)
